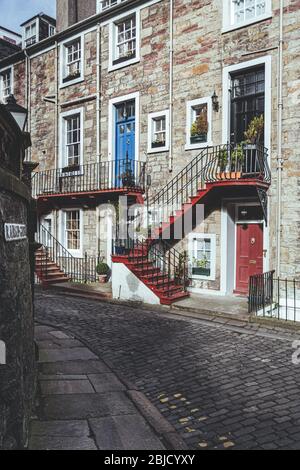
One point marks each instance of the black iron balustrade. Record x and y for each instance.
(260, 292)
(101, 176)
(273, 297)
(213, 165)
(164, 267)
(81, 270)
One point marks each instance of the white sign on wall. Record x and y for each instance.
(2, 353)
(15, 232)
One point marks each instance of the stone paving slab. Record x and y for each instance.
(84, 406)
(62, 443)
(66, 387)
(106, 383)
(75, 367)
(66, 354)
(129, 432)
(58, 343)
(76, 428)
(43, 377)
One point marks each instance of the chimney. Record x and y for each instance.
(69, 12)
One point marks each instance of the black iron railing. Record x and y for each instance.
(103, 176)
(164, 267)
(52, 251)
(260, 291)
(213, 164)
(273, 297)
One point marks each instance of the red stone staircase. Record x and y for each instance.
(165, 274)
(47, 271)
(215, 167)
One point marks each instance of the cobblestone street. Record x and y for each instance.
(219, 387)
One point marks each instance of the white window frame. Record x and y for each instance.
(100, 2)
(63, 223)
(151, 119)
(63, 61)
(52, 28)
(213, 239)
(189, 122)
(228, 22)
(63, 136)
(113, 37)
(2, 97)
(35, 22)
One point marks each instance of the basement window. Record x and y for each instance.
(202, 256)
(158, 132)
(72, 59)
(124, 41)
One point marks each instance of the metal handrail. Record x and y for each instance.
(101, 176)
(164, 266)
(77, 269)
(222, 162)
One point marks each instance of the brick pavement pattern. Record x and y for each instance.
(220, 388)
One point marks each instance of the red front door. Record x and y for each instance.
(249, 254)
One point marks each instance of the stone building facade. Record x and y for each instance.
(166, 60)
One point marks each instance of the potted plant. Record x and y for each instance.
(102, 270)
(237, 157)
(127, 178)
(254, 132)
(222, 163)
(199, 129)
(200, 267)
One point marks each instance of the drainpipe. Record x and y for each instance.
(98, 93)
(28, 98)
(56, 106)
(171, 86)
(279, 139)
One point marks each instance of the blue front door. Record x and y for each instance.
(125, 145)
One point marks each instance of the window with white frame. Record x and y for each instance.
(52, 30)
(158, 131)
(6, 84)
(106, 4)
(199, 117)
(125, 38)
(72, 59)
(73, 140)
(124, 41)
(202, 256)
(73, 230)
(243, 12)
(30, 34)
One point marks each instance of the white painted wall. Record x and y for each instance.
(126, 286)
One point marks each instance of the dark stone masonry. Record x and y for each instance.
(17, 366)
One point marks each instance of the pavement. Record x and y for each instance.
(84, 406)
(221, 384)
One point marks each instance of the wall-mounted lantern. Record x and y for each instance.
(215, 102)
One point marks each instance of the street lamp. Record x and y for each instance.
(18, 112)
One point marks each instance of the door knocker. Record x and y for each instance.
(253, 241)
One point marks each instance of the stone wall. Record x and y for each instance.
(17, 374)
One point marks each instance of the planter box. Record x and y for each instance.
(229, 175)
(70, 169)
(195, 139)
(201, 272)
(156, 145)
